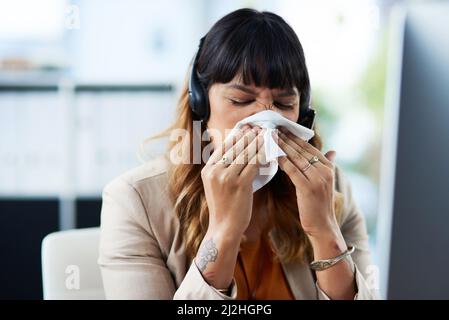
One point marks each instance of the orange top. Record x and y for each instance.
(256, 269)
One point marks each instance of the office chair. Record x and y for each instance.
(69, 265)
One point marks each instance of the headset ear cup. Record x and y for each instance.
(309, 119)
(198, 99)
(306, 113)
(203, 102)
(206, 104)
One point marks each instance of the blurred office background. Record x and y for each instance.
(83, 83)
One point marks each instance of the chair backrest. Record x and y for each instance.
(69, 265)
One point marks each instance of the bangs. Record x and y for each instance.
(259, 52)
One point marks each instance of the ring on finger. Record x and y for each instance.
(306, 167)
(313, 160)
(224, 160)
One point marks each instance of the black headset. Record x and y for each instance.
(199, 102)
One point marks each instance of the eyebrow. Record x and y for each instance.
(288, 93)
(241, 88)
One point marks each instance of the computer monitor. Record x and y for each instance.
(413, 228)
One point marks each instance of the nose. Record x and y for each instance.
(265, 106)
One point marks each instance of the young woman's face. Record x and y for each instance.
(233, 101)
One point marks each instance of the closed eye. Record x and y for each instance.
(247, 102)
(284, 106)
(241, 103)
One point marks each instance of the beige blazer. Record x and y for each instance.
(141, 255)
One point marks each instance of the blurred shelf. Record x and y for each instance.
(68, 139)
(47, 86)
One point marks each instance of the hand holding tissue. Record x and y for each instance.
(270, 120)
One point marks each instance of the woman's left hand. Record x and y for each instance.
(314, 185)
(315, 196)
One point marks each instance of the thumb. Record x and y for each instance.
(330, 155)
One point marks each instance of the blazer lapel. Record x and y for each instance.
(299, 277)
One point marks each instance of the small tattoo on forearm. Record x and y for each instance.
(207, 253)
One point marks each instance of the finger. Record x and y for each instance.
(318, 170)
(331, 155)
(297, 176)
(294, 144)
(307, 147)
(246, 144)
(299, 160)
(307, 156)
(255, 163)
(226, 145)
(238, 148)
(249, 156)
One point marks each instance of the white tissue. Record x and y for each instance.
(271, 120)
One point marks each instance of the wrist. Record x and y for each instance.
(326, 231)
(224, 233)
(217, 255)
(327, 244)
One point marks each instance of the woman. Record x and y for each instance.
(195, 230)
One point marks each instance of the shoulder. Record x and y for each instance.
(141, 191)
(149, 178)
(145, 173)
(140, 197)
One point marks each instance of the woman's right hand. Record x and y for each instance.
(229, 196)
(228, 187)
